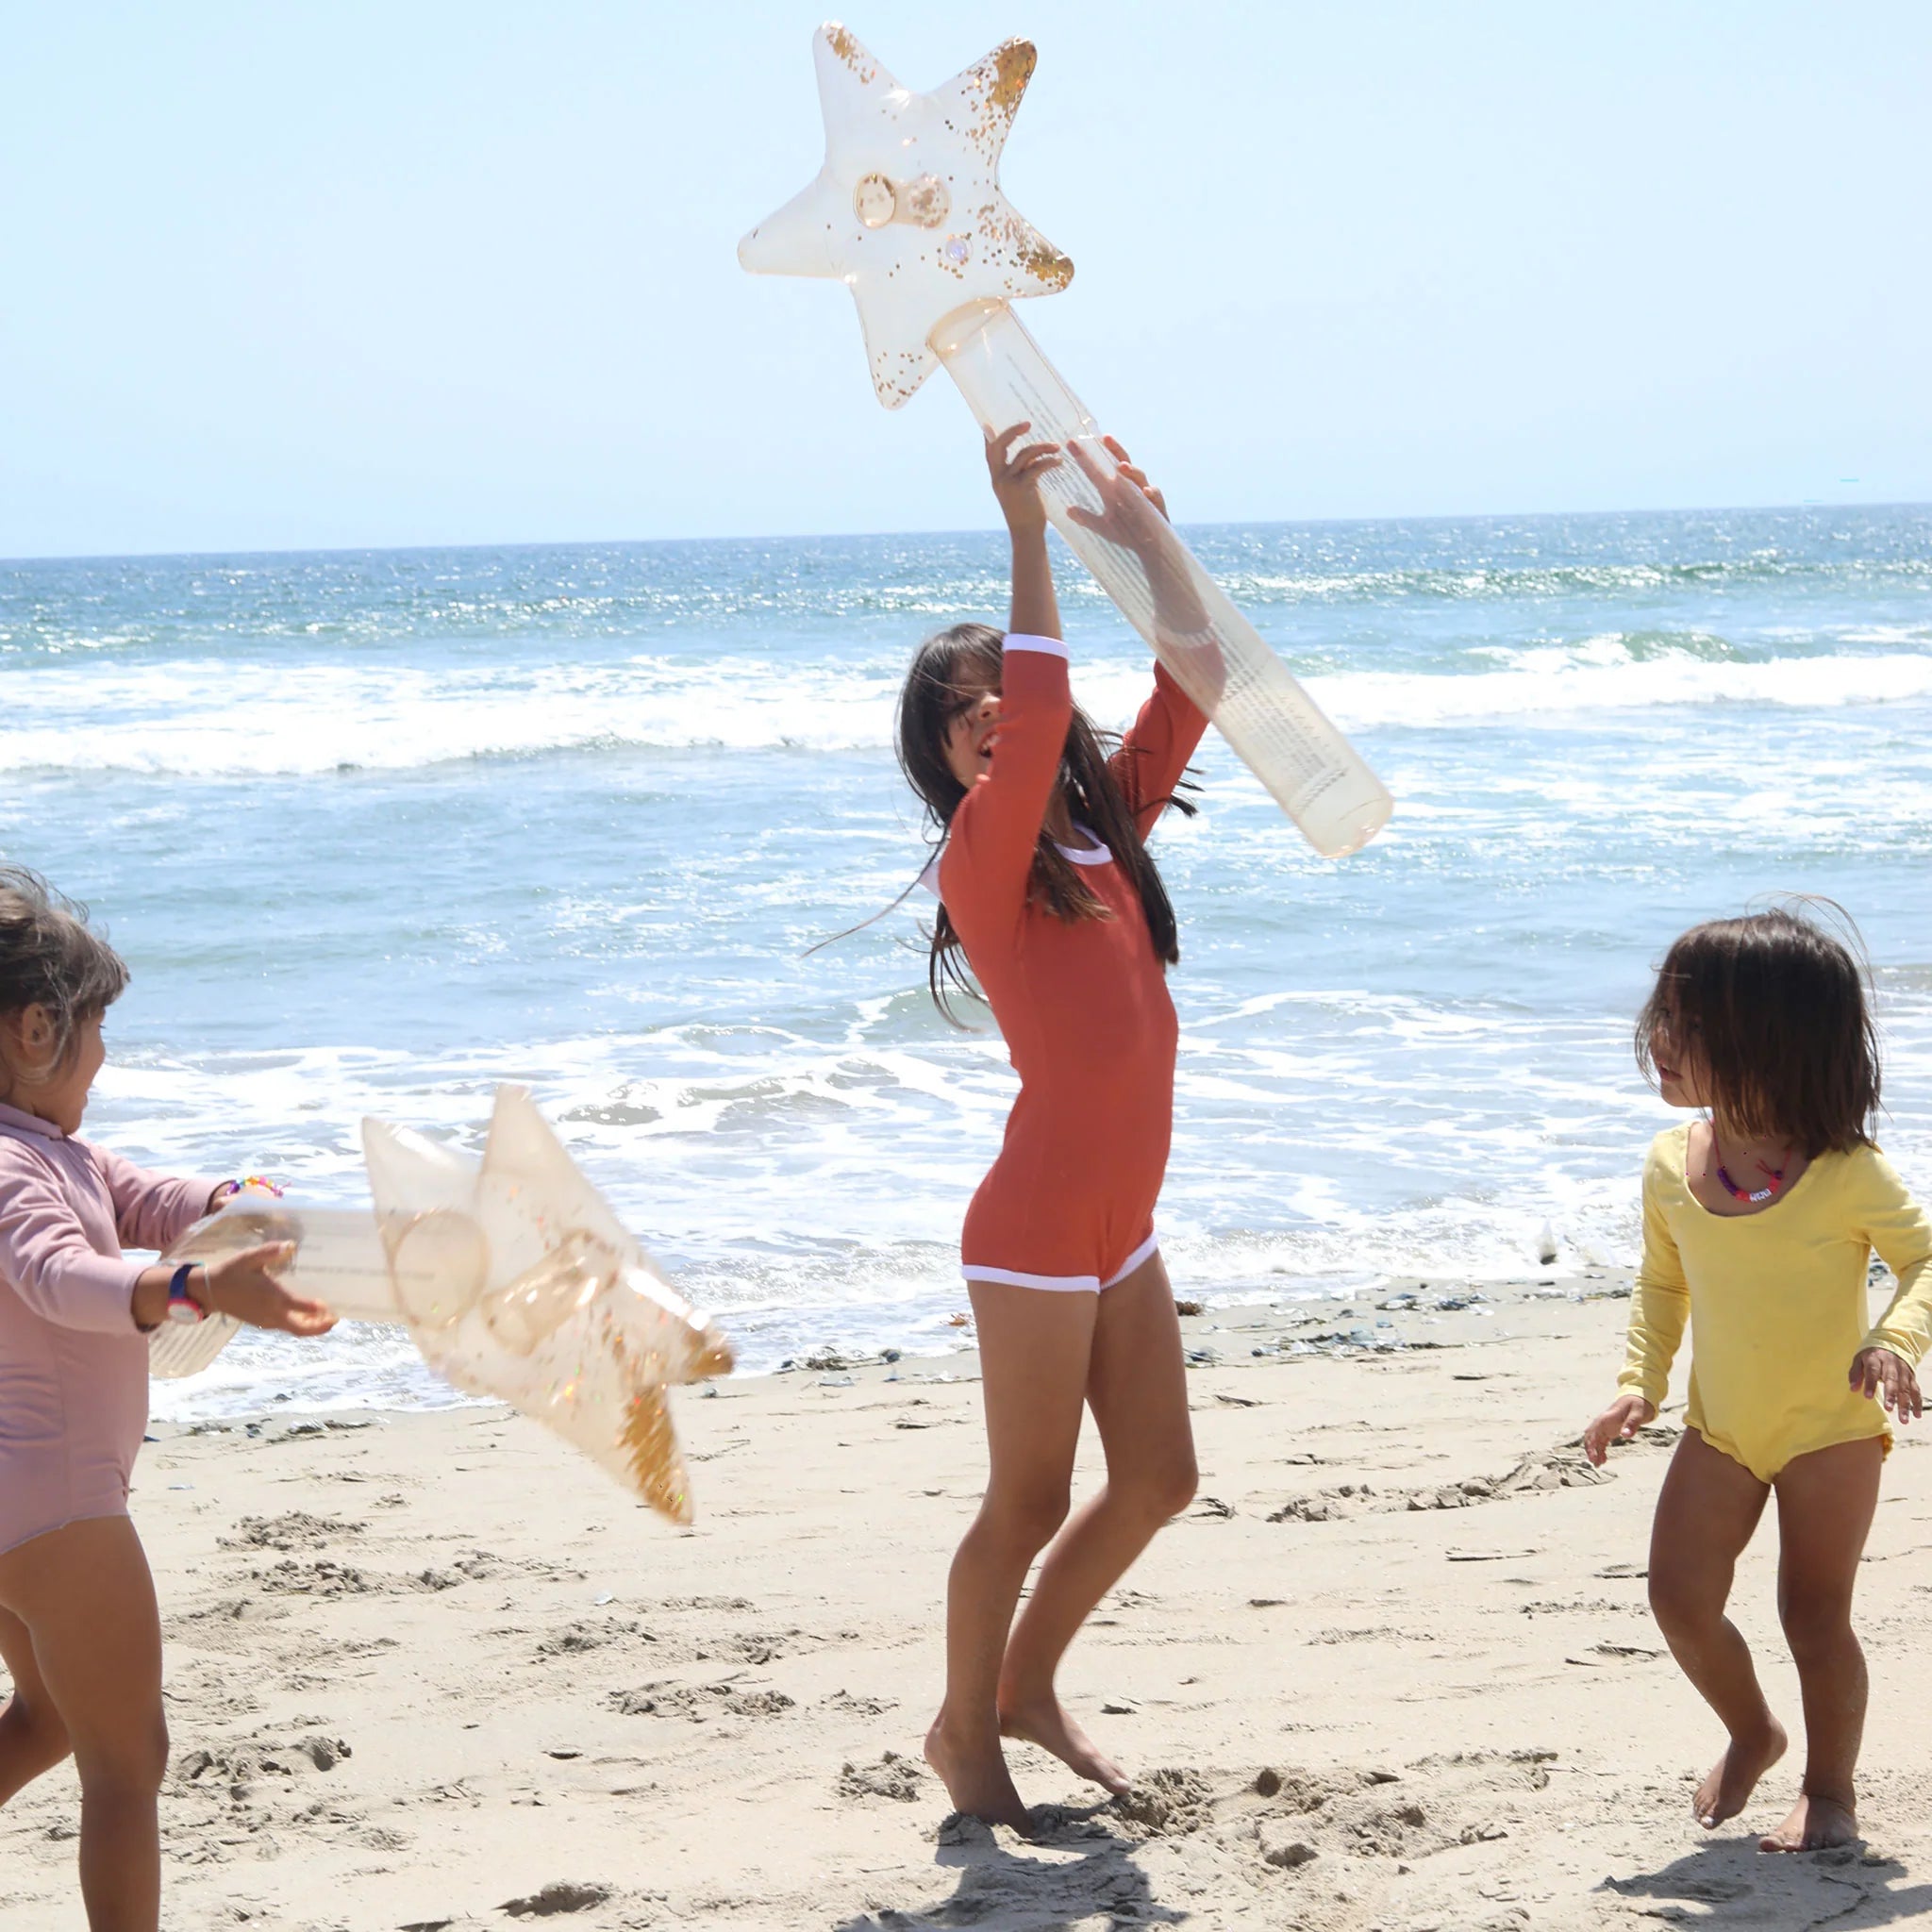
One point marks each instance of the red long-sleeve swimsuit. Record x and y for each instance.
(1083, 1004)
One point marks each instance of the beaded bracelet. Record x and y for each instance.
(260, 1183)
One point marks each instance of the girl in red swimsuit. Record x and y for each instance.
(1047, 889)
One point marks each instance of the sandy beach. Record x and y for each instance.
(1393, 1669)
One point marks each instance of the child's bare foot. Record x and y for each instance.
(1049, 1726)
(975, 1778)
(1728, 1788)
(1814, 1823)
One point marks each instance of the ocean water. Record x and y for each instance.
(379, 830)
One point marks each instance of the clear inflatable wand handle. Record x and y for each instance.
(1217, 656)
(338, 1259)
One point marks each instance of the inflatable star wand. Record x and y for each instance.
(909, 214)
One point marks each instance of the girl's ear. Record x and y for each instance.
(30, 1034)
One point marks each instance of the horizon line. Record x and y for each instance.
(986, 530)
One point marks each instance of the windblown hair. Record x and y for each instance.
(954, 669)
(1771, 1011)
(50, 956)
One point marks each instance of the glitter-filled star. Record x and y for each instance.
(907, 210)
(517, 1281)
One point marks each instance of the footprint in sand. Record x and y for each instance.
(698, 1702)
(892, 1776)
(1345, 1499)
(1170, 1803)
(295, 1530)
(221, 1625)
(848, 1706)
(553, 1901)
(573, 1640)
(752, 1646)
(238, 1768)
(1282, 1849)
(1545, 1471)
(325, 1577)
(1616, 1652)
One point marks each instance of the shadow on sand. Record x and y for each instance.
(1737, 1884)
(1076, 1870)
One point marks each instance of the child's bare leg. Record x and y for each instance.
(1825, 1507)
(32, 1738)
(1706, 1513)
(1136, 1387)
(85, 1595)
(1033, 1352)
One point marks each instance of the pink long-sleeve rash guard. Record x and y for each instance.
(73, 1364)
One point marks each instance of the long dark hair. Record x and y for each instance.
(955, 668)
(1771, 1008)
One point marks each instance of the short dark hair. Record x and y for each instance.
(1772, 1009)
(50, 956)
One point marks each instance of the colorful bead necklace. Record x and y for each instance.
(1754, 1196)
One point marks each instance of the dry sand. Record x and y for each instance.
(434, 1671)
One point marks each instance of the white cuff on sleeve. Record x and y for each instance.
(1020, 641)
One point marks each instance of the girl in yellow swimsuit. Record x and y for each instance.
(1759, 1219)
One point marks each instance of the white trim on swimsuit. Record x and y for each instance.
(1062, 1284)
(1099, 853)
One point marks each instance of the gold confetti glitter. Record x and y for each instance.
(1013, 66)
(650, 1443)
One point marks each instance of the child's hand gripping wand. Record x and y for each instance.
(907, 213)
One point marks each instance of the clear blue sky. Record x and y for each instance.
(294, 276)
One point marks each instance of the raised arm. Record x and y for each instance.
(1132, 517)
(1133, 514)
(995, 830)
(1155, 753)
(1034, 610)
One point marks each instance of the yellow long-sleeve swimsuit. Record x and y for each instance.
(1778, 1303)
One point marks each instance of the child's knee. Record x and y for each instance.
(1027, 1517)
(37, 1732)
(151, 1760)
(1165, 1491)
(1814, 1624)
(130, 1764)
(1680, 1602)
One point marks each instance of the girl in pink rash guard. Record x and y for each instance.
(79, 1631)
